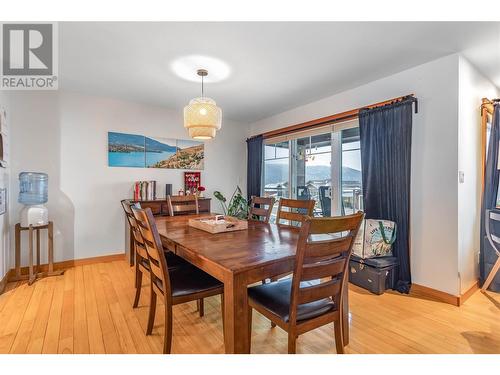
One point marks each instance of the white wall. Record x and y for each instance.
(4, 183)
(473, 86)
(65, 135)
(434, 195)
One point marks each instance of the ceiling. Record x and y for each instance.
(274, 66)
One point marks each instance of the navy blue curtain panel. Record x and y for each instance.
(385, 134)
(254, 165)
(488, 255)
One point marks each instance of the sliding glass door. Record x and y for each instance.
(311, 172)
(324, 165)
(352, 195)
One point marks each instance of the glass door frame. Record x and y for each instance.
(336, 159)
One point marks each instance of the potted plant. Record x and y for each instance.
(237, 206)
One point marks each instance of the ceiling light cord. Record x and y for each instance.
(202, 73)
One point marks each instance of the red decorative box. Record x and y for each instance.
(192, 181)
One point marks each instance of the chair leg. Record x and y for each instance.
(250, 328)
(167, 339)
(339, 337)
(138, 286)
(201, 307)
(292, 340)
(152, 312)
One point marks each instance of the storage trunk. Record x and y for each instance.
(373, 274)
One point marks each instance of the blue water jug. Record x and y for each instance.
(33, 188)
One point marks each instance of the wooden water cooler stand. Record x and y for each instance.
(34, 270)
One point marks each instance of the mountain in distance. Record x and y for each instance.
(153, 145)
(121, 142)
(275, 173)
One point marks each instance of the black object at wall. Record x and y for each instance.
(488, 257)
(385, 134)
(254, 165)
(168, 190)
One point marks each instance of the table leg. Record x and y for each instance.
(18, 251)
(236, 316)
(30, 255)
(50, 235)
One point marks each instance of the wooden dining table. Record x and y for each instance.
(238, 259)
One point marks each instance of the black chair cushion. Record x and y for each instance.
(275, 297)
(174, 261)
(188, 279)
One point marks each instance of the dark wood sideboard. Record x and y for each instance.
(159, 207)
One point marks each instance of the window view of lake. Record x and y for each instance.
(310, 175)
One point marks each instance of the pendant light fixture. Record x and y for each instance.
(202, 117)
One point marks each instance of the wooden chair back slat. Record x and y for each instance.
(185, 204)
(323, 290)
(323, 249)
(342, 224)
(147, 236)
(141, 250)
(326, 258)
(153, 245)
(292, 216)
(263, 200)
(295, 206)
(257, 211)
(261, 212)
(323, 269)
(156, 270)
(298, 203)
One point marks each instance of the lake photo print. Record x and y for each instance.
(159, 152)
(126, 150)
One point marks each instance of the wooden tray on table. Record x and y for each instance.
(223, 224)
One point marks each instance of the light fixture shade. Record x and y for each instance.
(202, 118)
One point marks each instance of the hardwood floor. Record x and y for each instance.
(89, 310)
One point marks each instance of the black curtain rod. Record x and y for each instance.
(410, 98)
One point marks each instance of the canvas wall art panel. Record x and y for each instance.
(190, 154)
(126, 150)
(160, 152)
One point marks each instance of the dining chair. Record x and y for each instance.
(261, 213)
(174, 286)
(298, 210)
(141, 255)
(185, 205)
(182, 204)
(313, 296)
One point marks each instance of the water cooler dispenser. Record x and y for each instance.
(33, 193)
